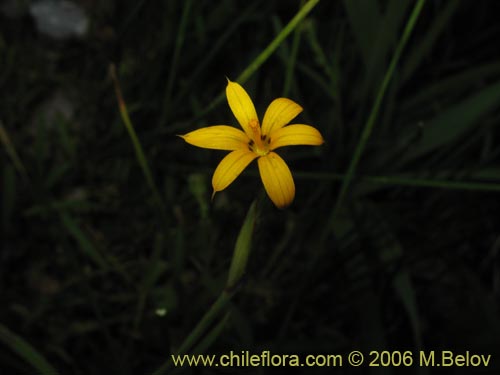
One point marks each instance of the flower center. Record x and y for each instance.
(259, 142)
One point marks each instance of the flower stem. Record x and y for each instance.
(201, 332)
(202, 326)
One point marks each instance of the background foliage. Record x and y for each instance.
(99, 275)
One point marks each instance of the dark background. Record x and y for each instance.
(98, 275)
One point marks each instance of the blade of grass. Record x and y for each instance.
(319, 81)
(267, 52)
(199, 329)
(291, 59)
(208, 340)
(139, 152)
(236, 270)
(382, 237)
(419, 53)
(322, 60)
(212, 53)
(92, 251)
(364, 18)
(443, 184)
(377, 33)
(154, 270)
(442, 88)
(453, 122)
(8, 196)
(402, 180)
(242, 247)
(399, 180)
(66, 141)
(365, 135)
(26, 351)
(179, 42)
(83, 242)
(11, 151)
(132, 14)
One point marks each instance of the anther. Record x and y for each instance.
(257, 145)
(254, 125)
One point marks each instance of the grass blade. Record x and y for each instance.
(364, 18)
(83, 242)
(26, 351)
(450, 124)
(11, 151)
(268, 51)
(179, 41)
(139, 152)
(242, 248)
(376, 107)
(199, 329)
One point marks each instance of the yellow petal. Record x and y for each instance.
(230, 167)
(277, 179)
(241, 105)
(279, 113)
(218, 137)
(298, 134)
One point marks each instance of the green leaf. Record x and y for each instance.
(83, 241)
(364, 18)
(20, 346)
(242, 248)
(454, 122)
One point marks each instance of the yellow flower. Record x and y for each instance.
(256, 142)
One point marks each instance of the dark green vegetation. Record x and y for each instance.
(104, 270)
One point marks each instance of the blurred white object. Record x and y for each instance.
(59, 19)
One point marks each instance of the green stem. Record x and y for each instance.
(236, 271)
(200, 328)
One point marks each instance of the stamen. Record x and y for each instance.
(257, 136)
(254, 125)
